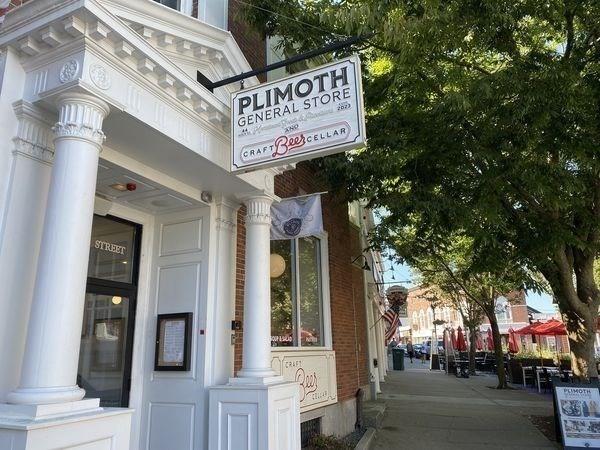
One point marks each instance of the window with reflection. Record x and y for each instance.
(111, 250)
(170, 3)
(296, 293)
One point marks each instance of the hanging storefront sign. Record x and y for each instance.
(314, 113)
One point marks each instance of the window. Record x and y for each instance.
(415, 321)
(297, 294)
(429, 318)
(174, 4)
(183, 6)
(422, 319)
(503, 313)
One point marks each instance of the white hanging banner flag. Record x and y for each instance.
(296, 217)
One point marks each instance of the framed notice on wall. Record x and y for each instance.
(577, 412)
(173, 342)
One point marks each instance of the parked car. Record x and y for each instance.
(417, 349)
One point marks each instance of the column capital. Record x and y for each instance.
(226, 213)
(80, 117)
(258, 208)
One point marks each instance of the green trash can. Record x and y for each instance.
(398, 359)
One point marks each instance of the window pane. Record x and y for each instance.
(170, 3)
(282, 317)
(111, 250)
(310, 291)
(102, 351)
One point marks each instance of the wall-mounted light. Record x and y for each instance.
(116, 300)
(365, 266)
(277, 264)
(206, 196)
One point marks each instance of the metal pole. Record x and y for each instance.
(210, 85)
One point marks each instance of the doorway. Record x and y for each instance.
(109, 312)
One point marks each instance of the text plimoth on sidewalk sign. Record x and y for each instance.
(310, 114)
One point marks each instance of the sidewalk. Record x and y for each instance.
(431, 410)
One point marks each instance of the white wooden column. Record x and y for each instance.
(49, 370)
(257, 410)
(256, 356)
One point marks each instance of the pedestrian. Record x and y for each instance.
(411, 351)
(424, 352)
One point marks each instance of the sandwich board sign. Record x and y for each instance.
(314, 113)
(577, 413)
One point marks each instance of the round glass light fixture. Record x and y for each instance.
(116, 300)
(277, 265)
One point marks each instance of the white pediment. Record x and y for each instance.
(190, 43)
(141, 58)
(161, 45)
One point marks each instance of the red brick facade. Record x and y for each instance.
(348, 314)
(250, 41)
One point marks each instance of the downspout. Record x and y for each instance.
(371, 338)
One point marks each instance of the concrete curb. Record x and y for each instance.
(367, 440)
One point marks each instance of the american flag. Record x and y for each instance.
(4, 4)
(392, 319)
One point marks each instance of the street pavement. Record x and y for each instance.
(432, 410)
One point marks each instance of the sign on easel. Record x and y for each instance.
(310, 114)
(577, 411)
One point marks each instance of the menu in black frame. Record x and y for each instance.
(173, 341)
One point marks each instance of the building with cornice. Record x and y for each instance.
(135, 266)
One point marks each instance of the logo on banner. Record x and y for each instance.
(296, 217)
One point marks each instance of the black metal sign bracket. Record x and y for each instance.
(210, 85)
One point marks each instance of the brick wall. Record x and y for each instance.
(251, 42)
(518, 307)
(348, 314)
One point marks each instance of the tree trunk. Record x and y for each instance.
(498, 351)
(472, 350)
(571, 278)
(581, 341)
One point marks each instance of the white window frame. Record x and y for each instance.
(503, 310)
(183, 6)
(325, 301)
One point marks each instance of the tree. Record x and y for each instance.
(482, 116)
(449, 294)
(455, 271)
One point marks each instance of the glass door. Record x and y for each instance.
(108, 321)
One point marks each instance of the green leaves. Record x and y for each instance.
(483, 120)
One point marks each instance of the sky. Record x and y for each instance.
(403, 275)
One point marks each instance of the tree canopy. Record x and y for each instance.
(483, 117)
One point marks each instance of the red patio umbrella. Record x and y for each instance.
(478, 340)
(452, 337)
(529, 329)
(513, 345)
(490, 340)
(551, 328)
(461, 343)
